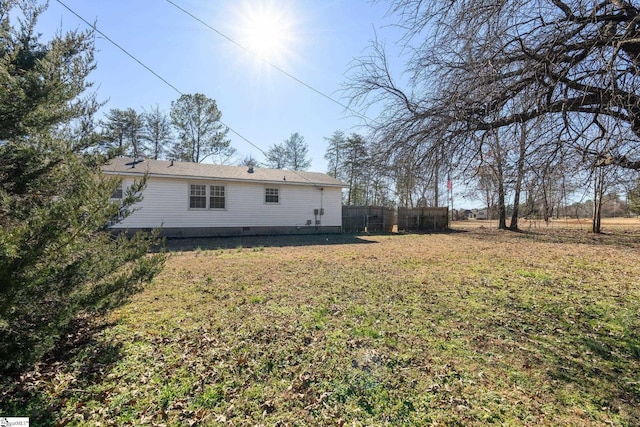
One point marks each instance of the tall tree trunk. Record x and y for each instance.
(547, 208)
(121, 145)
(353, 185)
(350, 197)
(502, 209)
(548, 203)
(520, 176)
(489, 200)
(436, 184)
(596, 220)
(598, 190)
(499, 169)
(197, 150)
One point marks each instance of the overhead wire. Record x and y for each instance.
(106, 37)
(165, 81)
(266, 61)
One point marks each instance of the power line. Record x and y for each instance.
(266, 61)
(95, 28)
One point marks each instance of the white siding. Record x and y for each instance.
(166, 204)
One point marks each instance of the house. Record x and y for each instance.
(476, 214)
(482, 214)
(201, 200)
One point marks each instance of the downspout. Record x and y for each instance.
(321, 212)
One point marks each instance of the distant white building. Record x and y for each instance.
(197, 200)
(481, 214)
(476, 214)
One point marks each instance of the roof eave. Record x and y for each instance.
(212, 178)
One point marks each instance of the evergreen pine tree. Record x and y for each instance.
(58, 259)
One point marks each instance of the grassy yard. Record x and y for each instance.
(467, 328)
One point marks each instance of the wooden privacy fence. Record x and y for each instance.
(372, 219)
(423, 219)
(378, 219)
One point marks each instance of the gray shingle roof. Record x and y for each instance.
(165, 168)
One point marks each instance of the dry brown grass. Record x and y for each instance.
(608, 224)
(464, 328)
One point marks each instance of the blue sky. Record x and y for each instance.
(318, 40)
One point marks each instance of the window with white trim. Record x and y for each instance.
(202, 196)
(197, 196)
(117, 193)
(116, 197)
(216, 197)
(272, 195)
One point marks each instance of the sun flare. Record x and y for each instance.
(266, 31)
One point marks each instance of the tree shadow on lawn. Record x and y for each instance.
(604, 369)
(280, 241)
(621, 238)
(589, 367)
(80, 360)
(212, 243)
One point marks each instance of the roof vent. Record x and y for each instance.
(134, 163)
(250, 170)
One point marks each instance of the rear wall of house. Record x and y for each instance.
(166, 205)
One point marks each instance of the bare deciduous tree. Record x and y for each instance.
(196, 119)
(156, 131)
(481, 66)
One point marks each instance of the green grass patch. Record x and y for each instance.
(470, 329)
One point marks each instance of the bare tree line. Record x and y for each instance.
(191, 132)
(519, 96)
